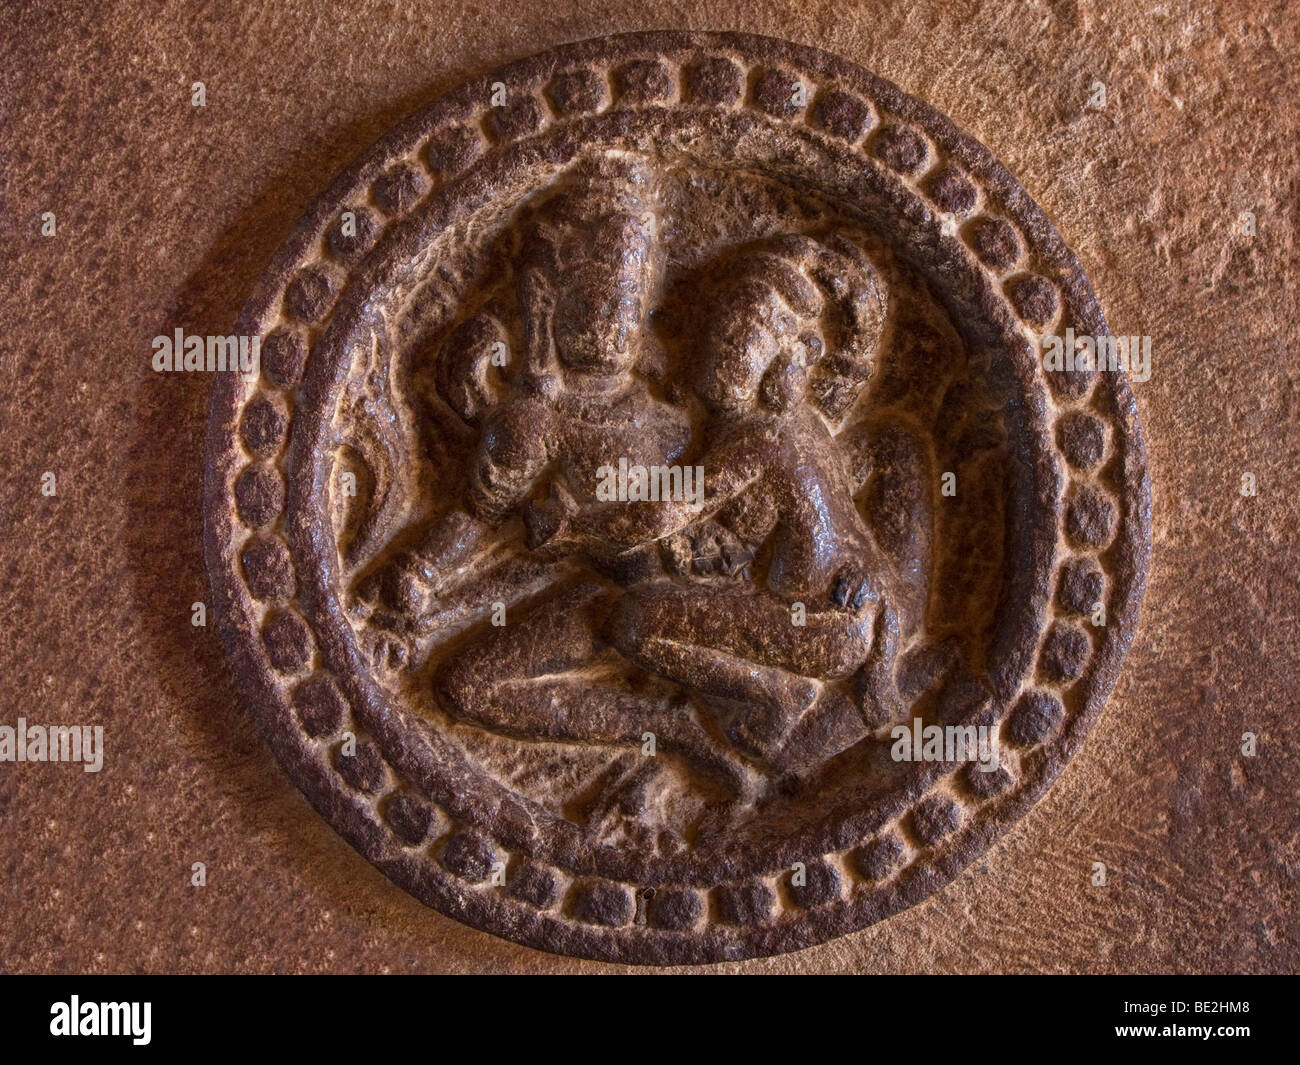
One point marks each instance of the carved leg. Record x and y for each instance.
(741, 649)
(509, 681)
(874, 683)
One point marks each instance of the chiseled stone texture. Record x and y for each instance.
(166, 215)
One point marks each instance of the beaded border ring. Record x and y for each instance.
(401, 807)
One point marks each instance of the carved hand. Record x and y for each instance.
(548, 520)
(854, 588)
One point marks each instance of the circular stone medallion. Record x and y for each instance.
(657, 532)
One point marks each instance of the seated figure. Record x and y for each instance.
(763, 654)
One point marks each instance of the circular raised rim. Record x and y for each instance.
(358, 820)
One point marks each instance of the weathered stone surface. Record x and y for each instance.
(166, 216)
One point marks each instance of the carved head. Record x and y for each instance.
(786, 318)
(750, 331)
(587, 266)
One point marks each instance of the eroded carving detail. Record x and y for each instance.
(654, 451)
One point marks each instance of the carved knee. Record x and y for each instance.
(458, 687)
